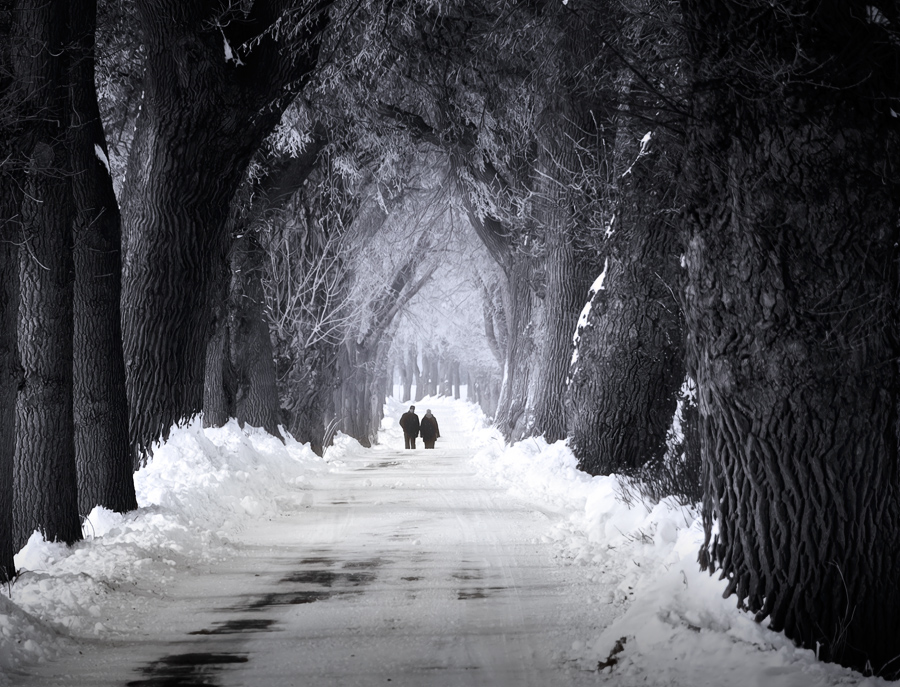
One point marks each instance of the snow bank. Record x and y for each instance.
(199, 488)
(673, 627)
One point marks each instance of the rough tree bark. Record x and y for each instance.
(201, 120)
(630, 363)
(793, 192)
(102, 452)
(218, 377)
(44, 470)
(315, 404)
(10, 372)
(355, 367)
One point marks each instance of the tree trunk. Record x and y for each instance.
(240, 355)
(175, 221)
(446, 385)
(381, 375)
(425, 376)
(102, 451)
(44, 470)
(423, 384)
(218, 375)
(218, 384)
(490, 398)
(361, 392)
(494, 322)
(434, 374)
(792, 317)
(405, 379)
(387, 381)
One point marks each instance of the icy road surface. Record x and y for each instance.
(397, 567)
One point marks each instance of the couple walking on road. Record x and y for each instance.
(427, 428)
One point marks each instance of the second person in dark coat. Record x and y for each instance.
(429, 429)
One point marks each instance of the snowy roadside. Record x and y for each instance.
(674, 627)
(199, 490)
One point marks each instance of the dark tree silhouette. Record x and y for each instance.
(793, 207)
(10, 371)
(567, 274)
(251, 355)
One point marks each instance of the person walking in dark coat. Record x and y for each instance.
(409, 422)
(429, 429)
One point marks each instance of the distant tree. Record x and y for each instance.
(792, 201)
(515, 289)
(408, 364)
(305, 282)
(453, 79)
(445, 316)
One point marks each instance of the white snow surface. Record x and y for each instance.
(596, 287)
(563, 571)
(98, 151)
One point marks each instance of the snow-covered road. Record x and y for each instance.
(255, 563)
(398, 567)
